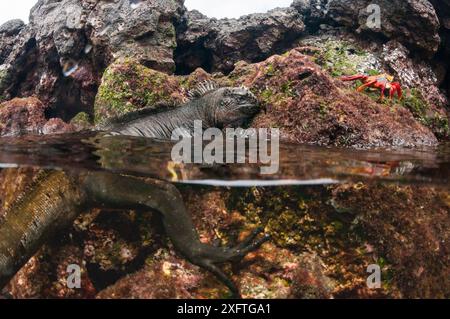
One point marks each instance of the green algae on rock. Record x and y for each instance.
(81, 121)
(351, 226)
(309, 106)
(129, 86)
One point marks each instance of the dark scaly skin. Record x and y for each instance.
(53, 201)
(116, 191)
(224, 107)
(57, 198)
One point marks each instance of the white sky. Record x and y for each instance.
(19, 9)
(234, 8)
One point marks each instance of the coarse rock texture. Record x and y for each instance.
(412, 22)
(61, 54)
(443, 11)
(128, 86)
(340, 54)
(420, 28)
(21, 115)
(27, 116)
(52, 262)
(8, 33)
(216, 45)
(323, 240)
(52, 71)
(301, 99)
(310, 107)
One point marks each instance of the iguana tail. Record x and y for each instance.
(53, 200)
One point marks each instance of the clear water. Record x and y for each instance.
(349, 208)
(299, 164)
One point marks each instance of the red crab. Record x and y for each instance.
(381, 81)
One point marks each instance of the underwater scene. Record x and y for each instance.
(151, 151)
(330, 214)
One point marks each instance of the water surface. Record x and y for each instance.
(299, 164)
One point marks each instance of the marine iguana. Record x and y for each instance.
(214, 106)
(56, 198)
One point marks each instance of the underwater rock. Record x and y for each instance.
(22, 115)
(216, 45)
(164, 277)
(273, 273)
(403, 229)
(270, 272)
(32, 281)
(324, 238)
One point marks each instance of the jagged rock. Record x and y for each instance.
(128, 86)
(413, 73)
(443, 12)
(61, 55)
(8, 35)
(11, 27)
(57, 126)
(303, 5)
(304, 101)
(216, 45)
(341, 53)
(22, 115)
(313, 10)
(310, 107)
(411, 22)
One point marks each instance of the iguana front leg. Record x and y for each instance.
(118, 191)
(56, 198)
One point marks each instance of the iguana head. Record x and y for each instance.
(232, 107)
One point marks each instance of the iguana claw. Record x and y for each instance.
(209, 258)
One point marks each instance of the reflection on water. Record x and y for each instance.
(299, 165)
